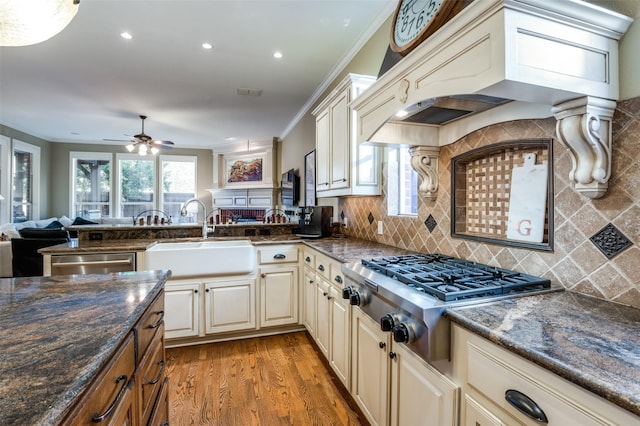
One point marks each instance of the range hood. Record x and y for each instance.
(503, 60)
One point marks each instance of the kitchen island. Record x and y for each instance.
(58, 333)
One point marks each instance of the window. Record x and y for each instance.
(5, 179)
(90, 184)
(25, 193)
(178, 177)
(402, 183)
(136, 189)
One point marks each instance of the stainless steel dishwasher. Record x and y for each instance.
(93, 263)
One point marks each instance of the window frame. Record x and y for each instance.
(395, 176)
(6, 181)
(34, 150)
(117, 182)
(81, 155)
(174, 158)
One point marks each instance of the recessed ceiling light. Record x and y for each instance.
(402, 113)
(229, 138)
(125, 35)
(277, 55)
(207, 46)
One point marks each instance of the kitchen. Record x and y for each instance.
(575, 262)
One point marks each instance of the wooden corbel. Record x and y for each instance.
(424, 160)
(584, 127)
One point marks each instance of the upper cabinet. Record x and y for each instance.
(343, 166)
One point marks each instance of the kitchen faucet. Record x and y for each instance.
(183, 212)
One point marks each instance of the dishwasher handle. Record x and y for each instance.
(97, 262)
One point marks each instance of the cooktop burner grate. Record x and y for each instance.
(449, 278)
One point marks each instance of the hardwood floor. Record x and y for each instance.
(275, 380)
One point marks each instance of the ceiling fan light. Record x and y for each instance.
(130, 147)
(142, 149)
(154, 150)
(27, 22)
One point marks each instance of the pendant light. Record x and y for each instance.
(27, 22)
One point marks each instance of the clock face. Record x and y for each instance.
(412, 17)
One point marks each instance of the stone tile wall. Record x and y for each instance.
(575, 263)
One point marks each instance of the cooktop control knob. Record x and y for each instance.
(354, 298)
(387, 322)
(346, 292)
(403, 333)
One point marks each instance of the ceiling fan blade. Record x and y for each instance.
(117, 140)
(160, 143)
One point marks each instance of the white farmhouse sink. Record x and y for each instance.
(199, 258)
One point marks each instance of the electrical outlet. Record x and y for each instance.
(380, 229)
(345, 222)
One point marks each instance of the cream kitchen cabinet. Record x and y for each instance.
(343, 166)
(309, 291)
(182, 306)
(278, 270)
(199, 307)
(487, 372)
(392, 385)
(333, 317)
(230, 305)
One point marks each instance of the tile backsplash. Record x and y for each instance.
(576, 262)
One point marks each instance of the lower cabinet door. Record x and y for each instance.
(370, 368)
(323, 316)
(230, 306)
(182, 309)
(309, 300)
(278, 295)
(160, 413)
(151, 377)
(340, 352)
(420, 394)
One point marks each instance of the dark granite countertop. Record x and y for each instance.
(348, 250)
(590, 342)
(56, 333)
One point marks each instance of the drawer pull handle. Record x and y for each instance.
(321, 268)
(279, 256)
(98, 418)
(338, 279)
(525, 405)
(160, 320)
(160, 373)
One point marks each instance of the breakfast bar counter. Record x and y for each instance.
(57, 333)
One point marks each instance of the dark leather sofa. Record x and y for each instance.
(27, 262)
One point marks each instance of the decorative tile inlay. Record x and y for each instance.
(431, 223)
(610, 241)
(371, 218)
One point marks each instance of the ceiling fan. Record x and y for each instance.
(144, 143)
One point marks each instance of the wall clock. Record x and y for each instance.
(415, 20)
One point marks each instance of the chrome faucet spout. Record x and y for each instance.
(183, 212)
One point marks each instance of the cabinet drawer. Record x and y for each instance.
(151, 321)
(493, 375)
(323, 266)
(337, 278)
(112, 395)
(277, 254)
(151, 376)
(309, 258)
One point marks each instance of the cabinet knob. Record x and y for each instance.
(263, 275)
(329, 297)
(324, 293)
(338, 279)
(207, 290)
(382, 345)
(307, 259)
(195, 291)
(311, 281)
(321, 268)
(392, 355)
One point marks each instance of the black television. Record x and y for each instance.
(290, 188)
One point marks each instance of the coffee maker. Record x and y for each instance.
(315, 221)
